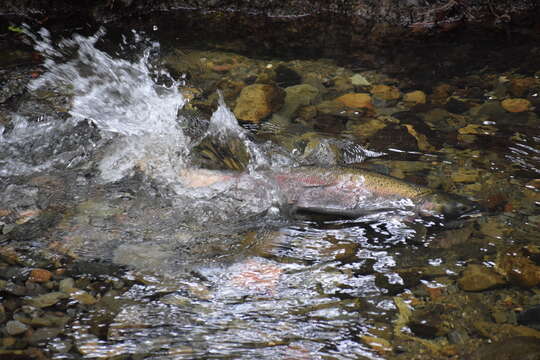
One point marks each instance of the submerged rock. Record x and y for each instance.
(479, 278)
(257, 101)
(516, 105)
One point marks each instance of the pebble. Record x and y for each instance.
(516, 105)
(47, 300)
(359, 80)
(15, 327)
(257, 101)
(40, 275)
(415, 97)
(479, 278)
(518, 266)
(356, 101)
(66, 285)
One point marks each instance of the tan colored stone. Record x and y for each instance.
(40, 275)
(380, 345)
(476, 129)
(441, 93)
(479, 278)
(519, 87)
(415, 97)
(356, 100)
(516, 105)
(519, 268)
(386, 92)
(257, 101)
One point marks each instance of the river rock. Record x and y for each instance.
(515, 348)
(66, 285)
(40, 275)
(516, 105)
(356, 101)
(47, 300)
(359, 80)
(415, 97)
(520, 265)
(297, 96)
(3, 316)
(520, 87)
(479, 278)
(15, 327)
(428, 322)
(257, 101)
(384, 95)
(286, 77)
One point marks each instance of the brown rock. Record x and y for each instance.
(415, 97)
(257, 101)
(519, 87)
(40, 275)
(516, 105)
(520, 265)
(386, 92)
(479, 278)
(356, 100)
(441, 93)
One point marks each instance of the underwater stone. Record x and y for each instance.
(479, 278)
(356, 101)
(47, 300)
(15, 327)
(359, 80)
(415, 97)
(257, 101)
(516, 105)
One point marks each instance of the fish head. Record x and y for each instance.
(449, 206)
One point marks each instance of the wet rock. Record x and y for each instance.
(428, 322)
(379, 345)
(515, 348)
(520, 265)
(43, 334)
(359, 80)
(456, 106)
(286, 77)
(489, 109)
(366, 129)
(257, 101)
(47, 300)
(3, 316)
(40, 275)
(441, 93)
(393, 136)
(15, 327)
(415, 97)
(477, 129)
(66, 285)
(520, 87)
(479, 278)
(83, 297)
(465, 175)
(384, 95)
(516, 105)
(356, 101)
(297, 96)
(530, 317)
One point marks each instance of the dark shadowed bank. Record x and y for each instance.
(322, 24)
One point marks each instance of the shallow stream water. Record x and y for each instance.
(98, 133)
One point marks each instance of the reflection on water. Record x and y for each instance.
(174, 263)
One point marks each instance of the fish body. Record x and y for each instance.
(354, 192)
(336, 191)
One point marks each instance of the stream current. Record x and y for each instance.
(214, 272)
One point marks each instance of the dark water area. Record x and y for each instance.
(145, 215)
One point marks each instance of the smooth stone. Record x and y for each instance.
(514, 348)
(359, 80)
(66, 285)
(297, 96)
(47, 300)
(14, 327)
(356, 100)
(479, 278)
(43, 334)
(40, 275)
(516, 105)
(257, 101)
(415, 97)
(519, 267)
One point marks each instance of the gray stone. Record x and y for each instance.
(66, 285)
(15, 327)
(47, 300)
